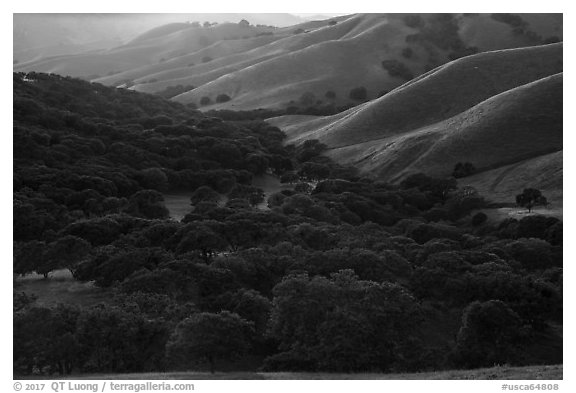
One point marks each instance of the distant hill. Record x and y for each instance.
(314, 63)
(153, 47)
(499, 109)
(46, 35)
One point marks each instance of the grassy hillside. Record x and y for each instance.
(61, 288)
(277, 68)
(188, 67)
(355, 59)
(437, 95)
(502, 184)
(500, 111)
(153, 47)
(521, 123)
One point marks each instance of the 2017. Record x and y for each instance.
(35, 386)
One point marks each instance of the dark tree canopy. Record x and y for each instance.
(463, 169)
(338, 271)
(220, 98)
(323, 317)
(211, 337)
(490, 334)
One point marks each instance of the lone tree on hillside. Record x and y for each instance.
(531, 197)
(222, 98)
(330, 95)
(463, 170)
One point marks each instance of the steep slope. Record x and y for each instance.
(432, 97)
(378, 52)
(516, 125)
(493, 110)
(503, 184)
(239, 54)
(186, 66)
(331, 65)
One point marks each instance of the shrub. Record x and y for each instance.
(554, 234)
(531, 253)
(289, 177)
(479, 219)
(223, 98)
(535, 226)
(463, 170)
(204, 193)
(551, 40)
(413, 20)
(396, 68)
(307, 99)
(358, 93)
(512, 20)
(303, 188)
(425, 232)
(205, 101)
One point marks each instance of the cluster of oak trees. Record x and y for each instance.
(342, 273)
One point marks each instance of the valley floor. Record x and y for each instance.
(60, 287)
(554, 372)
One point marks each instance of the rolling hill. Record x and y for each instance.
(497, 104)
(153, 47)
(45, 35)
(378, 52)
(259, 67)
(501, 111)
